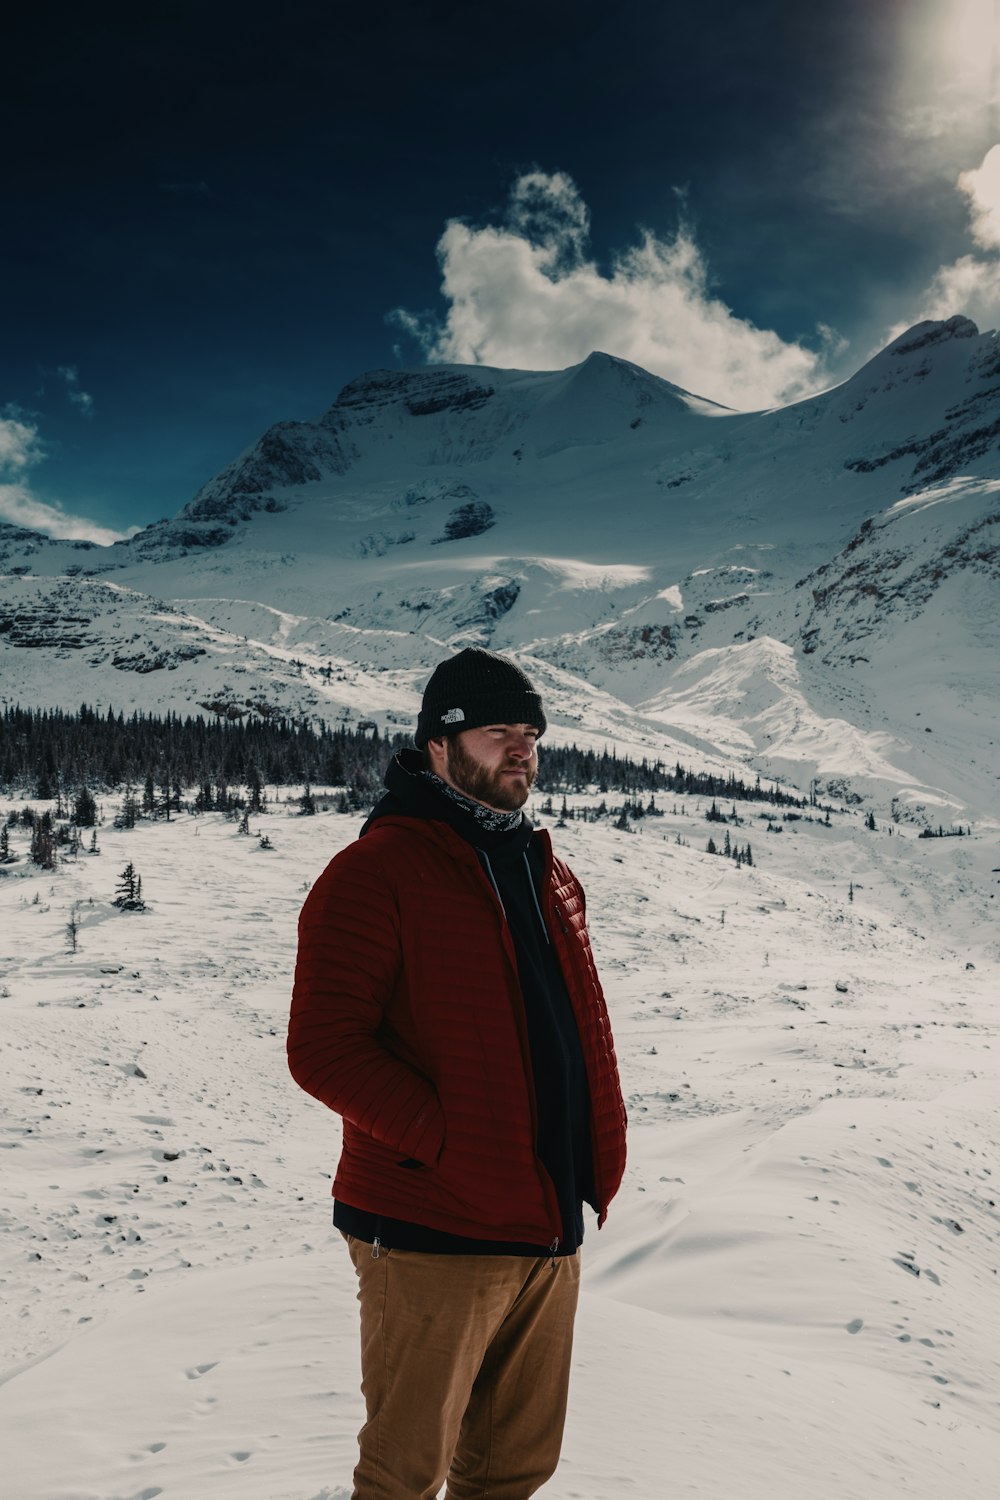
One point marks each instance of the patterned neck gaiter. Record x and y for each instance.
(490, 818)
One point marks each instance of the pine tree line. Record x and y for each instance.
(49, 753)
(568, 768)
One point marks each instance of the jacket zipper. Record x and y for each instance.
(547, 1184)
(594, 1160)
(484, 860)
(534, 897)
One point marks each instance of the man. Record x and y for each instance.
(447, 1006)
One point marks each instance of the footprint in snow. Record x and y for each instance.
(855, 1325)
(197, 1371)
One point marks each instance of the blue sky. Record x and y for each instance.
(218, 215)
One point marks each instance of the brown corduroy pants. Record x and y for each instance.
(464, 1370)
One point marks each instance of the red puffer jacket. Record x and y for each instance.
(408, 1020)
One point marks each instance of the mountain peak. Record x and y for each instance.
(639, 382)
(923, 335)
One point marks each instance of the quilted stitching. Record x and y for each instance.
(407, 1020)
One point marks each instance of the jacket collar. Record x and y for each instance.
(413, 797)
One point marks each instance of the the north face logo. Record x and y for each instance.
(453, 716)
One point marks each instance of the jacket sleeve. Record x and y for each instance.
(349, 958)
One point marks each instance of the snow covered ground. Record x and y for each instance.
(795, 1292)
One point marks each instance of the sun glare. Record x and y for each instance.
(965, 43)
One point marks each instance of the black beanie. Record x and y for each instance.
(476, 687)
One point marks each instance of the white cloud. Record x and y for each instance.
(20, 450)
(81, 399)
(19, 506)
(545, 208)
(524, 295)
(19, 444)
(982, 187)
(971, 284)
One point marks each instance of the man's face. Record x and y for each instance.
(495, 765)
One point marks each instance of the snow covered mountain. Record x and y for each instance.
(805, 590)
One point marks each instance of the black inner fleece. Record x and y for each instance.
(514, 862)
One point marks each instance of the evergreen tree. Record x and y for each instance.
(307, 802)
(44, 790)
(43, 843)
(255, 788)
(128, 813)
(84, 808)
(129, 888)
(72, 931)
(710, 847)
(165, 801)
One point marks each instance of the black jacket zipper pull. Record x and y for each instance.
(376, 1248)
(552, 1251)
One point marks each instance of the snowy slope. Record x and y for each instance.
(792, 1294)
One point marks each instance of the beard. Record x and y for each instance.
(484, 784)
